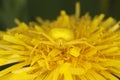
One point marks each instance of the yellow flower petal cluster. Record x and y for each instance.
(68, 48)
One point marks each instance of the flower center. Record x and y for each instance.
(62, 33)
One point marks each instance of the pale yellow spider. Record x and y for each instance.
(61, 36)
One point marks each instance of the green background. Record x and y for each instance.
(28, 10)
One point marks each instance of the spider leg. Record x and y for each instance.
(80, 41)
(43, 34)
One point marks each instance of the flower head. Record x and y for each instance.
(69, 48)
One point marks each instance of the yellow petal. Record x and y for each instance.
(97, 75)
(2, 52)
(12, 39)
(89, 76)
(91, 52)
(108, 75)
(12, 68)
(63, 20)
(64, 68)
(22, 74)
(111, 63)
(68, 75)
(78, 71)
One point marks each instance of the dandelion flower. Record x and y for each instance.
(68, 48)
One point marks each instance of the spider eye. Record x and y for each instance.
(63, 33)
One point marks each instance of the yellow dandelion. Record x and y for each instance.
(69, 48)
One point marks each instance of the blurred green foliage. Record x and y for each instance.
(27, 10)
(11, 9)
